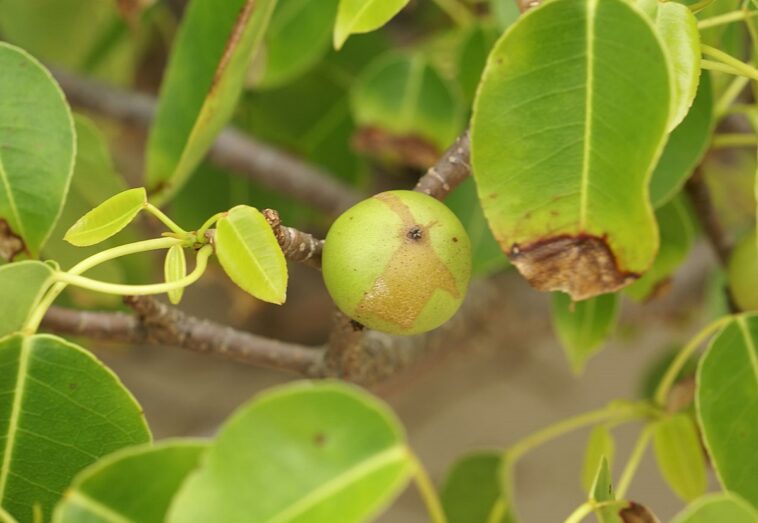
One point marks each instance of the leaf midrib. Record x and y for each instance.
(585, 181)
(18, 398)
(749, 346)
(354, 473)
(11, 198)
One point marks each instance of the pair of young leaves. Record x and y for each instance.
(244, 243)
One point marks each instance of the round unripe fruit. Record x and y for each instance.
(398, 262)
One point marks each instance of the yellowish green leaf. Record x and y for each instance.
(108, 218)
(175, 268)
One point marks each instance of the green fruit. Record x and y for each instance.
(742, 274)
(398, 262)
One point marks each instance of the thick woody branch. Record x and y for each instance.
(158, 323)
(296, 245)
(233, 149)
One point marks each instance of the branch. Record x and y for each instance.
(158, 323)
(697, 189)
(296, 245)
(233, 149)
(449, 171)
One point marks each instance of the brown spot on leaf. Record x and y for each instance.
(582, 266)
(411, 277)
(11, 245)
(636, 513)
(234, 38)
(408, 149)
(319, 439)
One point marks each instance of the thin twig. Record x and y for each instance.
(296, 245)
(233, 149)
(697, 189)
(452, 169)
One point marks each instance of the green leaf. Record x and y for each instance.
(132, 485)
(727, 400)
(600, 445)
(583, 326)
(472, 58)
(565, 134)
(175, 268)
(298, 36)
(487, 258)
(36, 152)
(315, 452)
(679, 456)
(741, 273)
(472, 490)
(602, 491)
(677, 233)
(202, 83)
(249, 253)
(715, 508)
(23, 284)
(363, 16)
(505, 13)
(677, 27)
(62, 411)
(405, 109)
(686, 146)
(108, 218)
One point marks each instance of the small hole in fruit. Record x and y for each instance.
(415, 233)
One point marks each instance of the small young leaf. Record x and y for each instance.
(472, 490)
(677, 234)
(679, 456)
(363, 16)
(108, 218)
(36, 152)
(321, 452)
(249, 253)
(23, 284)
(602, 491)
(727, 402)
(134, 484)
(202, 83)
(676, 25)
(583, 326)
(718, 508)
(175, 268)
(686, 146)
(600, 445)
(62, 411)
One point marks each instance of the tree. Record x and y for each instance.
(577, 137)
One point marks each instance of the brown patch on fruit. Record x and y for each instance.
(636, 513)
(412, 275)
(582, 266)
(408, 150)
(11, 245)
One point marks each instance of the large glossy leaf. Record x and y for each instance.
(685, 147)
(363, 16)
(405, 110)
(677, 28)
(297, 38)
(309, 452)
(134, 485)
(202, 83)
(583, 326)
(472, 492)
(486, 256)
(741, 274)
(679, 455)
(62, 410)
(600, 445)
(565, 134)
(677, 236)
(249, 253)
(727, 405)
(108, 218)
(36, 152)
(716, 508)
(23, 284)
